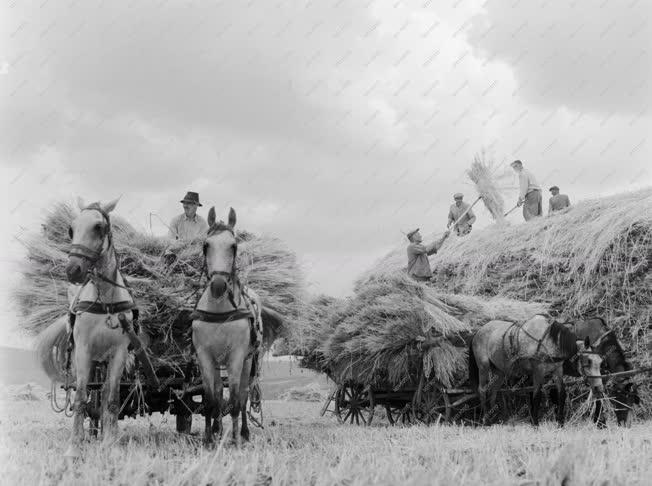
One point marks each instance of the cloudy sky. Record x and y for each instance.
(332, 124)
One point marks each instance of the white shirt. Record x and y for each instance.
(184, 228)
(527, 182)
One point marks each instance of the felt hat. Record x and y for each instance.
(191, 197)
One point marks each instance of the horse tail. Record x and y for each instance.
(51, 348)
(474, 372)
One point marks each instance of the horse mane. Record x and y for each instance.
(564, 338)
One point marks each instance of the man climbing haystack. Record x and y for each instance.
(530, 192)
(418, 263)
(461, 215)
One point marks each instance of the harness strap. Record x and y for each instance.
(108, 280)
(221, 317)
(102, 308)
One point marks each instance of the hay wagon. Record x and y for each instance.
(179, 390)
(421, 400)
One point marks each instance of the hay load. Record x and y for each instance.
(394, 327)
(592, 259)
(161, 289)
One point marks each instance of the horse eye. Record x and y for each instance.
(70, 232)
(205, 248)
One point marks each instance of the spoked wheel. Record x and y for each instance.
(255, 409)
(354, 404)
(400, 414)
(429, 407)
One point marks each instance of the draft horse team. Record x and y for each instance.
(227, 331)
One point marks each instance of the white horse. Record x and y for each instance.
(225, 330)
(103, 309)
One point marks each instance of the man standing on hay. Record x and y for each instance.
(530, 193)
(189, 225)
(418, 264)
(461, 210)
(557, 201)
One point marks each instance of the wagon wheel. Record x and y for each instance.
(429, 406)
(399, 414)
(355, 404)
(255, 410)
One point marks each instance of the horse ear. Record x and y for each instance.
(211, 216)
(587, 342)
(232, 218)
(80, 203)
(110, 206)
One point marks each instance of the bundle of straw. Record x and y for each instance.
(161, 290)
(481, 175)
(391, 329)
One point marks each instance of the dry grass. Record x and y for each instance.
(393, 327)
(481, 173)
(160, 289)
(301, 448)
(591, 259)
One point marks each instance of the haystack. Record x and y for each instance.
(393, 328)
(161, 290)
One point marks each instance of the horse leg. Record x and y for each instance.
(495, 388)
(83, 365)
(537, 383)
(236, 364)
(211, 404)
(218, 390)
(483, 381)
(561, 396)
(111, 408)
(244, 396)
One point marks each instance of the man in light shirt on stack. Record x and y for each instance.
(189, 225)
(530, 192)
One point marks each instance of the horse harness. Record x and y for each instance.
(77, 307)
(250, 310)
(512, 348)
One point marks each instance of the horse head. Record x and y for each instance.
(220, 252)
(90, 233)
(588, 365)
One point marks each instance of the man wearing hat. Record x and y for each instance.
(530, 192)
(418, 264)
(557, 201)
(189, 225)
(459, 210)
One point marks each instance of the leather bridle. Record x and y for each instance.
(90, 254)
(230, 277)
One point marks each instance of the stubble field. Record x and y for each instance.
(299, 447)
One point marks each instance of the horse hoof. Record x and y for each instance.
(72, 453)
(245, 436)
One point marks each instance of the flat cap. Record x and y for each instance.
(458, 195)
(411, 234)
(516, 162)
(554, 188)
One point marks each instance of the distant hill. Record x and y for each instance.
(19, 366)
